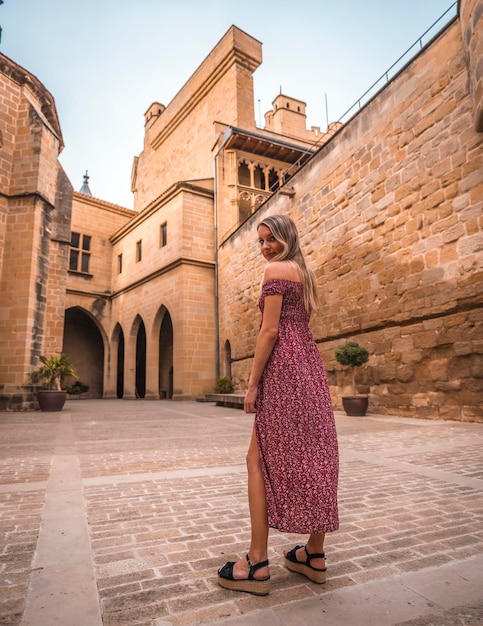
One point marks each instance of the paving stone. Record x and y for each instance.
(163, 493)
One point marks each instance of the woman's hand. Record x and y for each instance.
(250, 400)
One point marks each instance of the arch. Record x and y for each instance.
(259, 177)
(166, 366)
(227, 359)
(257, 201)
(118, 352)
(243, 174)
(84, 343)
(273, 179)
(244, 206)
(140, 372)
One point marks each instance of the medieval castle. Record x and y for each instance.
(160, 301)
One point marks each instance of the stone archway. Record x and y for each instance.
(84, 345)
(227, 360)
(166, 357)
(141, 361)
(118, 342)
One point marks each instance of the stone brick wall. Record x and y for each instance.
(471, 15)
(390, 215)
(99, 220)
(35, 209)
(177, 278)
(178, 142)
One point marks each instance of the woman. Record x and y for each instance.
(292, 459)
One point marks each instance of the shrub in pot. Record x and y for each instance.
(352, 355)
(50, 373)
(224, 385)
(77, 388)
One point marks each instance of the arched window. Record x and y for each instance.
(243, 174)
(273, 180)
(259, 177)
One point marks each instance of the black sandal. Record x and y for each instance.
(258, 586)
(316, 575)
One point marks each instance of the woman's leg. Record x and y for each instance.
(315, 545)
(257, 501)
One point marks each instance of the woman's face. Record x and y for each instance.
(269, 246)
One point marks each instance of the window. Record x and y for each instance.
(80, 253)
(243, 174)
(163, 235)
(259, 177)
(119, 263)
(139, 251)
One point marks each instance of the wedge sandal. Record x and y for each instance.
(315, 574)
(257, 586)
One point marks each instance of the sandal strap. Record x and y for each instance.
(253, 568)
(320, 555)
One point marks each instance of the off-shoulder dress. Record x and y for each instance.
(295, 425)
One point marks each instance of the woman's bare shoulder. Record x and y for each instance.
(281, 270)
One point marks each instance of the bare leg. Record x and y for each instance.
(315, 545)
(257, 501)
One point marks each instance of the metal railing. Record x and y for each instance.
(398, 65)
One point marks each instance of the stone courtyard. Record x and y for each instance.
(120, 512)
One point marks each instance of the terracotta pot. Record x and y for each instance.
(355, 405)
(51, 399)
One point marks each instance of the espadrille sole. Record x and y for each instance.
(318, 576)
(257, 587)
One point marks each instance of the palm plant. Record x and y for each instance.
(52, 370)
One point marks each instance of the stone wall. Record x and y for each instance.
(471, 14)
(179, 138)
(176, 279)
(390, 216)
(35, 210)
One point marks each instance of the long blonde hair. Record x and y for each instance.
(285, 232)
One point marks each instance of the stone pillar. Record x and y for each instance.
(152, 367)
(130, 369)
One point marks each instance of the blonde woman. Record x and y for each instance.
(292, 459)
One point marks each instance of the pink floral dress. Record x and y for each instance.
(294, 424)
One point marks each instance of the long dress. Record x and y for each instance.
(294, 424)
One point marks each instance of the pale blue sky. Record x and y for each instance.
(105, 61)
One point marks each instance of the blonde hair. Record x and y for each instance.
(285, 232)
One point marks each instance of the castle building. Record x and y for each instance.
(159, 301)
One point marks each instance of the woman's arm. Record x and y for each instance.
(266, 340)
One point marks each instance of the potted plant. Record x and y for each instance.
(353, 355)
(224, 385)
(50, 373)
(77, 388)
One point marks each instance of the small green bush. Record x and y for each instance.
(224, 385)
(76, 388)
(352, 355)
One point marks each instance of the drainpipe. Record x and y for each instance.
(226, 136)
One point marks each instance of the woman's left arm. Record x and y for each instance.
(266, 340)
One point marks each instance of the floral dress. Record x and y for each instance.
(294, 424)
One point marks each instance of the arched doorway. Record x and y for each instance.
(84, 345)
(141, 361)
(166, 357)
(227, 360)
(118, 340)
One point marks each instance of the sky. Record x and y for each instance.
(106, 61)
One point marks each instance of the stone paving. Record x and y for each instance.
(120, 512)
